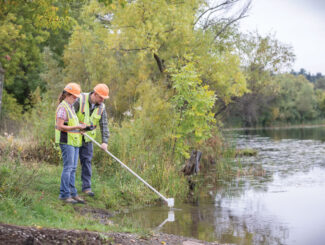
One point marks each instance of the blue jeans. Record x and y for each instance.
(86, 154)
(68, 176)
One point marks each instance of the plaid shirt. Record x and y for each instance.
(103, 122)
(61, 113)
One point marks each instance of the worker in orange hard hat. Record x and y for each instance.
(90, 109)
(67, 135)
(102, 90)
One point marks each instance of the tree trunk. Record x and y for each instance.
(192, 165)
(2, 80)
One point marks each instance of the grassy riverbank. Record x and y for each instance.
(29, 184)
(29, 197)
(30, 180)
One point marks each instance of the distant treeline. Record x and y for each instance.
(292, 98)
(310, 77)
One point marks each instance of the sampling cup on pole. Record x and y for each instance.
(169, 201)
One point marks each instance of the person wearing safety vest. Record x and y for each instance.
(67, 134)
(91, 110)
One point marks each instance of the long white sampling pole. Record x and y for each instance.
(170, 201)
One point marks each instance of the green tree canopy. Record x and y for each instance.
(125, 45)
(25, 26)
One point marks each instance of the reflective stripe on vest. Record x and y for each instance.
(82, 102)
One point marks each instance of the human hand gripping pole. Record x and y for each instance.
(170, 201)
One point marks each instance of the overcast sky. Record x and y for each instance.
(299, 23)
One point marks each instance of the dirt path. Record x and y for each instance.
(11, 234)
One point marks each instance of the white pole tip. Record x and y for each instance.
(170, 202)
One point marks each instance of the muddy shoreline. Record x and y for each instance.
(12, 234)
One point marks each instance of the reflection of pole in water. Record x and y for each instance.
(171, 218)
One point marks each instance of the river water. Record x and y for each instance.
(282, 201)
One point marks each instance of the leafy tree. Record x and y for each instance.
(306, 102)
(262, 57)
(296, 99)
(320, 83)
(128, 47)
(124, 46)
(59, 37)
(24, 28)
(321, 101)
(10, 108)
(52, 76)
(193, 103)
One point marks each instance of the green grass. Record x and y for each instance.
(246, 152)
(29, 197)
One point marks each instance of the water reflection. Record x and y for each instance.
(278, 216)
(283, 206)
(170, 218)
(313, 133)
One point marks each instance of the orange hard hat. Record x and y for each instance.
(102, 90)
(73, 88)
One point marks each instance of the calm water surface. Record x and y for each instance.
(284, 205)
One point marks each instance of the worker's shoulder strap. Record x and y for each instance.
(83, 100)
